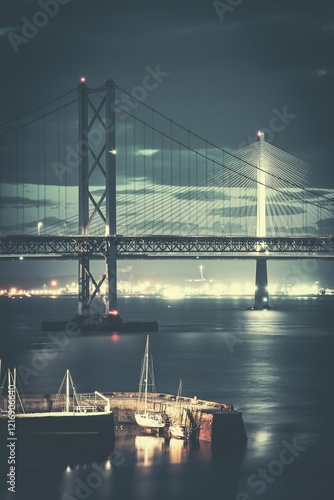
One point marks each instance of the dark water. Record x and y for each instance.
(274, 366)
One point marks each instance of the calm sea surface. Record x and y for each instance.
(274, 366)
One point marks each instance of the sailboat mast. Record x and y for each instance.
(180, 393)
(146, 371)
(67, 407)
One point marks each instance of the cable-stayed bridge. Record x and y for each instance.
(98, 174)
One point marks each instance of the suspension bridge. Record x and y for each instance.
(87, 177)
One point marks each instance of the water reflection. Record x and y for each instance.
(139, 466)
(149, 449)
(179, 450)
(152, 450)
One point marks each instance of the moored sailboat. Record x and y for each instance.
(147, 417)
(177, 429)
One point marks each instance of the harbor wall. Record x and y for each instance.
(211, 421)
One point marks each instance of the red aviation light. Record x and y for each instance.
(83, 79)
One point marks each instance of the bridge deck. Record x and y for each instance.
(166, 247)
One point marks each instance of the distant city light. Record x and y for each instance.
(113, 312)
(174, 293)
(190, 288)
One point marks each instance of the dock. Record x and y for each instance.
(209, 421)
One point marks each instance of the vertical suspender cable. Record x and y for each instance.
(17, 177)
(1, 181)
(44, 173)
(162, 182)
(144, 162)
(134, 172)
(58, 155)
(153, 172)
(196, 183)
(126, 175)
(189, 184)
(229, 180)
(23, 181)
(171, 178)
(206, 188)
(38, 169)
(179, 190)
(66, 187)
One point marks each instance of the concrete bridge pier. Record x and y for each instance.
(261, 280)
(261, 284)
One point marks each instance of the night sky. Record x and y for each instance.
(230, 68)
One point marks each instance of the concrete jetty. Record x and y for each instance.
(210, 421)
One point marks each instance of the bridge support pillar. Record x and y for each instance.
(97, 210)
(261, 284)
(83, 284)
(261, 279)
(111, 272)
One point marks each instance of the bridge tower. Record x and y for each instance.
(97, 159)
(261, 278)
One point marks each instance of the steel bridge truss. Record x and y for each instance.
(85, 248)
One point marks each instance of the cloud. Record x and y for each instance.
(50, 225)
(147, 152)
(202, 195)
(19, 202)
(322, 72)
(250, 211)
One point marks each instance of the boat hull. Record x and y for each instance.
(179, 431)
(149, 420)
(61, 423)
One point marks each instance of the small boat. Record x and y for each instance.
(73, 414)
(177, 429)
(146, 417)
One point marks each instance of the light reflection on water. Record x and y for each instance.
(279, 374)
